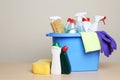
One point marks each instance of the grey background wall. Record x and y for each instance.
(24, 24)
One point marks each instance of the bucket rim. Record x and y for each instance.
(63, 34)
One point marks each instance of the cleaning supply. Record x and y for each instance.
(52, 19)
(79, 23)
(67, 24)
(94, 26)
(70, 26)
(108, 44)
(66, 28)
(56, 24)
(56, 65)
(65, 65)
(79, 60)
(90, 41)
(86, 23)
(41, 66)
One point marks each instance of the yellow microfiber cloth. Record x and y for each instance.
(41, 66)
(90, 41)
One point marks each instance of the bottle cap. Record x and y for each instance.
(65, 48)
(56, 44)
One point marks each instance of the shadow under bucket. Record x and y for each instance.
(79, 60)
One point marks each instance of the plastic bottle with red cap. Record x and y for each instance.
(65, 64)
(67, 24)
(94, 26)
(86, 23)
(78, 17)
(70, 26)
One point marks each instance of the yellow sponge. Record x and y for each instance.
(41, 66)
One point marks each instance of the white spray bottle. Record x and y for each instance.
(94, 26)
(56, 65)
(86, 23)
(79, 23)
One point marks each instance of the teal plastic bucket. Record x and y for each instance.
(79, 60)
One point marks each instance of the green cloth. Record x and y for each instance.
(90, 41)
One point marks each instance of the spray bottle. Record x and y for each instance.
(86, 23)
(71, 28)
(94, 26)
(67, 25)
(56, 65)
(79, 24)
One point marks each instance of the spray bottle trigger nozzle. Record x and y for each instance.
(103, 20)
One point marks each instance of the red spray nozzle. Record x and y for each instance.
(71, 20)
(103, 20)
(86, 19)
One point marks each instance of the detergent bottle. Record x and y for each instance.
(86, 23)
(79, 23)
(56, 65)
(65, 65)
(94, 26)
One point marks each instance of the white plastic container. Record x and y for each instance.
(56, 65)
